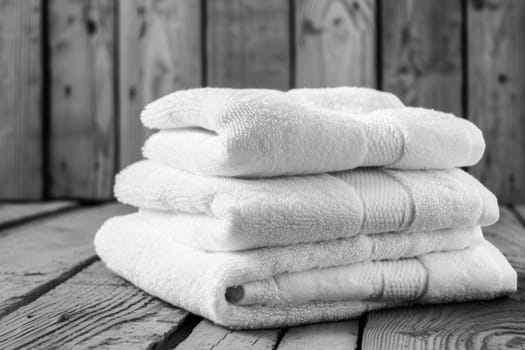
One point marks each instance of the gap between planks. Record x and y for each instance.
(188, 334)
(95, 309)
(40, 254)
(15, 213)
(55, 286)
(329, 335)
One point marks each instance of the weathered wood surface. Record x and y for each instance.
(208, 336)
(329, 336)
(11, 213)
(520, 212)
(335, 43)
(422, 58)
(53, 301)
(485, 324)
(497, 324)
(337, 335)
(508, 234)
(496, 93)
(248, 43)
(82, 126)
(20, 99)
(93, 310)
(39, 255)
(159, 52)
(71, 91)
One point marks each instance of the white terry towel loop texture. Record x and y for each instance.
(223, 214)
(273, 280)
(328, 245)
(259, 132)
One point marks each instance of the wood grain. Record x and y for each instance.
(207, 336)
(329, 336)
(93, 310)
(335, 43)
(12, 213)
(82, 135)
(422, 53)
(496, 93)
(248, 44)
(159, 52)
(508, 234)
(20, 99)
(486, 324)
(497, 324)
(39, 255)
(519, 208)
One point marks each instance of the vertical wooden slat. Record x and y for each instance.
(159, 52)
(422, 52)
(335, 43)
(82, 143)
(496, 92)
(248, 43)
(20, 99)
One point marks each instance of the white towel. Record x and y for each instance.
(233, 214)
(313, 282)
(251, 132)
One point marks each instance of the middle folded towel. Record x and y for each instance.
(224, 214)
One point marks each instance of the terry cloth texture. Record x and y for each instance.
(216, 213)
(302, 283)
(261, 133)
(227, 230)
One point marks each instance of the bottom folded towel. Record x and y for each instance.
(309, 282)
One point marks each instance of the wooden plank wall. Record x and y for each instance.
(248, 44)
(74, 75)
(421, 52)
(332, 38)
(496, 92)
(82, 98)
(160, 51)
(20, 99)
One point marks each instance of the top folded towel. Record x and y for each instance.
(259, 132)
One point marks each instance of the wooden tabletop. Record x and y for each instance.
(56, 294)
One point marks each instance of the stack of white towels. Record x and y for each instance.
(250, 215)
